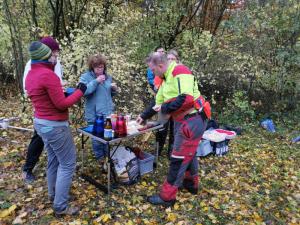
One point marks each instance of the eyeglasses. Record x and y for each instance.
(99, 67)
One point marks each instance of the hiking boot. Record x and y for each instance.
(189, 186)
(157, 200)
(70, 210)
(28, 177)
(192, 190)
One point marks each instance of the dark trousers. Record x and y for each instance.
(162, 134)
(34, 151)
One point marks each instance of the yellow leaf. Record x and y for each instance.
(190, 207)
(212, 217)
(7, 164)
(129, 223)
(50, 211)
(176, 206)
(171, 217)
(216, 206)
(104, 218)
(55, 222)
(151, 188)
(239, 217)
(94, 213)
(7, 212)
(205, 209)
(257, 217)
(202, 204)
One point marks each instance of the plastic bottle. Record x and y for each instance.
(98, 128)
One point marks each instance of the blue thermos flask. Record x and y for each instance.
(98, 128)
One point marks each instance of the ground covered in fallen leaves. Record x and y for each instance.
(256, 183)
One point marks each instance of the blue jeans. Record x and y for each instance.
(100, 149)
(61, 162)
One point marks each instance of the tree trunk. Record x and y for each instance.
(212, 14)
(33, 13)
(57, 9)
(16, 44)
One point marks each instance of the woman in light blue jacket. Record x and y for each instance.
(98, 96)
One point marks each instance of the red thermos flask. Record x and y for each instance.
(121, 129)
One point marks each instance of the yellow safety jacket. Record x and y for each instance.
(178, 91)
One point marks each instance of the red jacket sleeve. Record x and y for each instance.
(56, 94)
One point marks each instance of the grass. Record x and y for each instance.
(256, 183)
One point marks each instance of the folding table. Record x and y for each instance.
(87, 131)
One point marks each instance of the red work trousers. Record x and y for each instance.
(183, 163)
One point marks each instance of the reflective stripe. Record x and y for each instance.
(177, 156)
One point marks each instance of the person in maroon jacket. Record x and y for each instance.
(51, 123)
(36, 145)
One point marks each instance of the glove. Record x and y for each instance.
(82, 87)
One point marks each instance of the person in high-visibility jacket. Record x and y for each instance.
(176, 98)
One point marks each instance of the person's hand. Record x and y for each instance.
(64, 85)
(82, 87)
(101, 79)
(156, 108)
(140, 120)
(114, 86)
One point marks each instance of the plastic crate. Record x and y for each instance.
(204, 148)
(146, 164)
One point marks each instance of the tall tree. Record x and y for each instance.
(12, 20)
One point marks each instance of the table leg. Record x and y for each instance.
(82, 152)
(157, 154)
(108, 162)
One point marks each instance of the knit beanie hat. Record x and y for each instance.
(39, 51)
(50, 42)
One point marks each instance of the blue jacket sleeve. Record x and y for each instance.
(150, 77)
(90, 84)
